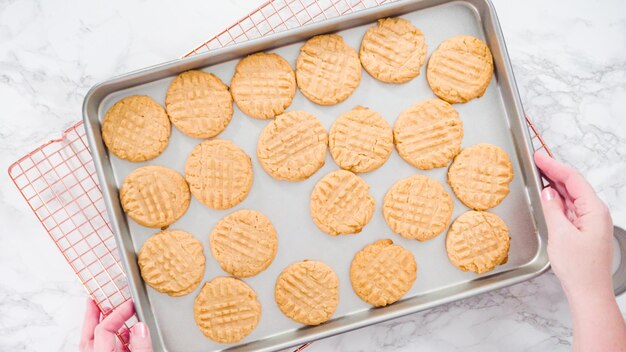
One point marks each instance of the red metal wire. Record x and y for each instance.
(59, 183)
(301, 12)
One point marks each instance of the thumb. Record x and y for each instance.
(140, 338)
(554, 212)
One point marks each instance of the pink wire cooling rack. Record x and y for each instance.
(58, 180)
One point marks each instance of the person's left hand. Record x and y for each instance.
(98, 334)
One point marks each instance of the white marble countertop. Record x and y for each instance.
(570, 64)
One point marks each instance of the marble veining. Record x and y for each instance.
(568, 58)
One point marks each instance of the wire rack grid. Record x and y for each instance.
(59, 182)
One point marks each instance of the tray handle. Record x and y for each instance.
(619, 278)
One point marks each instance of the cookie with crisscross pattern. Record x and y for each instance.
(360, 140)
(417, 207)
(219, 173)
(307, 292)
(460, 69)
(429, 134)
(226, 310)
(199, 104)
(393, 50)
(478, 241)
(341, 203)
(382, 272)
(244, 243)
(154, 196)
(263, 85)
(136, 128)
(172, 262)
(293, 146)
(480, 176)
(327, 69)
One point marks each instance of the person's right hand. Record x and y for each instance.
(580, 230)
(98, 334)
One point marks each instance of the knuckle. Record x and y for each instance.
(98, 331)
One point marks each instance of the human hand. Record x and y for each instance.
(98, 334)
(580, 231)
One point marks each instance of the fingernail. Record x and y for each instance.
(140, 330)
(549, 194)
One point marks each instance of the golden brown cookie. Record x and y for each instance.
(136, 129)
(478, 241)
(263, 85)
(199, 104)
(154, 196)
(307, 292)
(382, 272)
(172, 262)
(428, 134)
(293, 146)
(244, 243)
(327, 69)
(219, 173)
(393, 50)
(226, 310)
(417, 207)
(480, 176)
(360, 140)
(341, 203)
(460, 69)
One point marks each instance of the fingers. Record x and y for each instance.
(574, 183)
(91, 320)
(140, 338)
(554, 212)
(104, 337)
(585, 209)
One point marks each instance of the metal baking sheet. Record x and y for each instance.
(495, 118)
